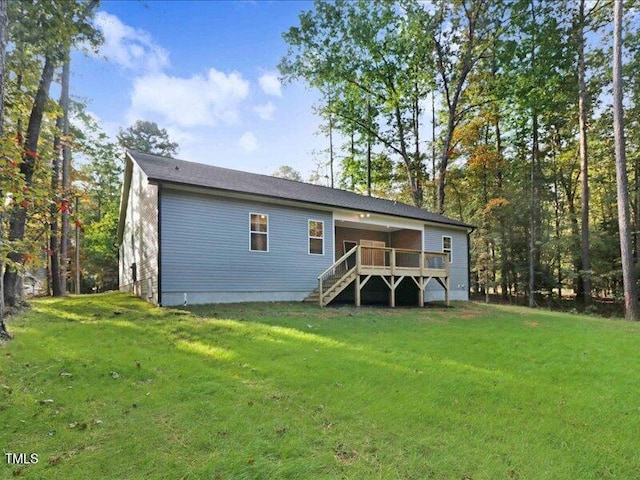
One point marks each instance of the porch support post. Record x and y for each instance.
(393, 263)
(421, 292)
(446, 290)
(358, 290)
(392, 295)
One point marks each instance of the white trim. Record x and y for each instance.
(309, 237)
(365, 219)
(251, 232)
(450, 251)
(333, 237)
(449, 226)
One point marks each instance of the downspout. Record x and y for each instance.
(469, 282)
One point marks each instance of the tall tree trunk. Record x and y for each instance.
(504, 258)
(444, 161)
(628, 270)
(54, 240)
(66, 172)
(535, 210)
(417, 158)
(584, 277)
(3, 48)
(433, 148)
(575, 235)
(18, 216)
(556, 205)
(368, 151)
(408, 162)
(535, 197)
(331, 146)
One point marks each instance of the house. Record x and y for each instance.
(195, 233)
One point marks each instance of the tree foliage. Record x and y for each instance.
(517, 84)
(290, 173)
(147, 137)
(42, 34)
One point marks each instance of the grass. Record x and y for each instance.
(107, 386)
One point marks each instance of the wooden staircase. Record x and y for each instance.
(332, 288)
(335, 279)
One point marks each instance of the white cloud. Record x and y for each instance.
(248, 142)
(265, 111)
(188, 102)
(270, 84)
(129, 47)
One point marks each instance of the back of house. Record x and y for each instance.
(196, 233)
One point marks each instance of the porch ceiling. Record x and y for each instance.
(368, 226)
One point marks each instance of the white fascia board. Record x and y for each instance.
(448, 226)
(367, 218)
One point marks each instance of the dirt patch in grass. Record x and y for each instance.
(344, 454)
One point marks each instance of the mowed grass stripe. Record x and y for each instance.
(107, 386)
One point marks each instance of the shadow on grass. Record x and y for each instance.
(358, 389)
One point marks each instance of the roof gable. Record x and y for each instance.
(165, 169)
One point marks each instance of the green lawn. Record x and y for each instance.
(107, 386)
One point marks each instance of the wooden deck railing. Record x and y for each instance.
(389, 261)
(383, 261)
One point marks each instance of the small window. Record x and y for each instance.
(259, 232)
(316, 237)
(446, 246)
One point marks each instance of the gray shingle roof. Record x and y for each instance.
(164, 169)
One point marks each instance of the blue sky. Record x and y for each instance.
(205, 71)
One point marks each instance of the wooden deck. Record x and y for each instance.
(392, 265)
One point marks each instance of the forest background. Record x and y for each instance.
(521, 144)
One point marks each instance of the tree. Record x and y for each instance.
(583, 278)
(100, 179)
(628, 270)
(57, 279)
(147, 137)
(464, 31)
(3, 47)
(66, 171)
(376, 62)
(285, 171)
(41, 32)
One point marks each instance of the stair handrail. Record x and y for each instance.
(340, 260)
(331, 270)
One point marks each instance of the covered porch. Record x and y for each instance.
(378, 263)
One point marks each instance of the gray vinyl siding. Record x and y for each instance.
(459, 279)
(140, 239)
(206, 250)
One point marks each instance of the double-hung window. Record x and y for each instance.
(316, 237)
(447, 245)
(259, 227)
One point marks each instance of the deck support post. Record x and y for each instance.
(357, 284)
(421, 292)
(446, 290)
(392, 293)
